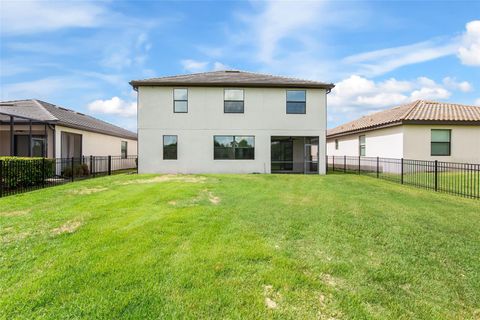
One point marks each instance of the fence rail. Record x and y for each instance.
(461, 179)
(18, 175)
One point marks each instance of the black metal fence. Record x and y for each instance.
(19, 175)
(461, 179)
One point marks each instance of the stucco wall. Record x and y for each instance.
(465, 143)
(96, 144)
(385, 143)
(264, 116)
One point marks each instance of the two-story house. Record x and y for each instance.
(231, 122)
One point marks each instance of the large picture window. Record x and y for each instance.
(123, 149)
(234, 147)
(170, 147)
(361, 142)
(233, 101)
(441, 142)
(296, 101)
(180, 100)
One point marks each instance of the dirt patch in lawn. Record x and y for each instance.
(85, 191)
(166, 178)
(213, 198)
(15, 213)
(68, 227)
(271, 297)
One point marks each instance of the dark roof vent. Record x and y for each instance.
(232, 71)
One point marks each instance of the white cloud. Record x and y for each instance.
(220, 66)
(452, 83)
(190, 65)
(114, 106)
(25, 17)
(469, 51)
(477, 102)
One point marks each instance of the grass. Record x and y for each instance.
(239, 247)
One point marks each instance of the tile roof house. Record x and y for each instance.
(37, 128)
(421, 129)
(231, 122)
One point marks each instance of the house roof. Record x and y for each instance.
(231, 78)
(37, 110)
(420, 111)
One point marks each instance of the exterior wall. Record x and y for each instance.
(465, 143)
(264, 116)
(385, 143)
(96, 144)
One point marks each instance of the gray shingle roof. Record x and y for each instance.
(46, 112)
(231, 78)
(417, 111)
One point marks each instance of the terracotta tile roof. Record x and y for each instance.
(231, 78)
(417, 111)
(38, 110)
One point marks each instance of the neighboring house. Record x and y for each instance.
(231, 122)
(39, 129)
(424, 130)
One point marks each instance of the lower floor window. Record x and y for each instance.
(234, 147)
(440, 142)
(123, 149)
(170, 147)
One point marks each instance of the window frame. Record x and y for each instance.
(176, 147)
(287, 101)
(441, 142)
(364, 145)
(225, 100)
(234, 148)
(121, 149)
(174, 100)
(336, 144)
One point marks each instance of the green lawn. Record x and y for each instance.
(239, 247)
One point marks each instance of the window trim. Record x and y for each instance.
(436, 142)
(286, 101)
(163, 146)
(174, 100)
(224, 100)
(121, 149)
(364, 145)
(234, 136)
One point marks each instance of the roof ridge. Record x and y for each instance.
(412, 107)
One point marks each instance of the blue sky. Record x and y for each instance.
(81, 54)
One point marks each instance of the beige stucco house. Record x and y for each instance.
(423, 130)
(34, 128)
(231, 122)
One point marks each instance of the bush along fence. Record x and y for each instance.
(19, 175)
(461, 179)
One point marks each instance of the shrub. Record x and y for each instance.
(22, 172)
(79, 170)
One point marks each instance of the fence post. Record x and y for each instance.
(72, 167)
(344, 164)
(1, 178)
(109, 165)
(401, 171)
(436, 175)
(333, 163)
(378, 167)
(359, 164)
(43, 172)
(92, 169)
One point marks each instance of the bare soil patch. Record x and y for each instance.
(68, 227)
(165, 178)
(14, 213)
(85, 191)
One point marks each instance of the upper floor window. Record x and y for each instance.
(336, 144)
(362, 150)
(234, 147)
(440, 144)
(123, 150)
(169, 147)
(180, 100)
(233, 101)
(296, 101)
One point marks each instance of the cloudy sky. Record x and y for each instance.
(81, 54)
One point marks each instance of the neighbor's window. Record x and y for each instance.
(233, 101)
(296, 101)
(336, 144)
(123, 150)
(180, 100)
(361, 141)
(169, 147)
(234, 147)
(441, 142)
